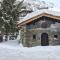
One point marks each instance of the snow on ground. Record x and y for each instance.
(11, 50)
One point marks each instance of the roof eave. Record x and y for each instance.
(38, 16)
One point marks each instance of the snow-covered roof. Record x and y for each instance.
(36, 13)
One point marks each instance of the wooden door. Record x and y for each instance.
(44, 39)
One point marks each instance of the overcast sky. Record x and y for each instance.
(56, 2)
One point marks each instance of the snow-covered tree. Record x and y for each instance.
(9, 15)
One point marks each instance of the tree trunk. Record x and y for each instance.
(6, 37)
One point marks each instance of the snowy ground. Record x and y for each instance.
(11, 50)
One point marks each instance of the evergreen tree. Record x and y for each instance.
(9, 13)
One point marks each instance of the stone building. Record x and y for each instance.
(40, 28)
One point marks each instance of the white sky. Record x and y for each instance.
(55, 2)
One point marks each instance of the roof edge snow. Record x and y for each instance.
(34, 15)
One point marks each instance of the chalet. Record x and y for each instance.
(40, 28)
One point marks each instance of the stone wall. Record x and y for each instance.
(28, 41)
(37, 27)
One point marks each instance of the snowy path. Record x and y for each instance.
(13, 51)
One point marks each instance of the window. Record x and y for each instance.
(55, 36)
(34, 36)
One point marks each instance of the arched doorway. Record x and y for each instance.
(44, 39)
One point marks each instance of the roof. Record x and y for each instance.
(34, 15)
